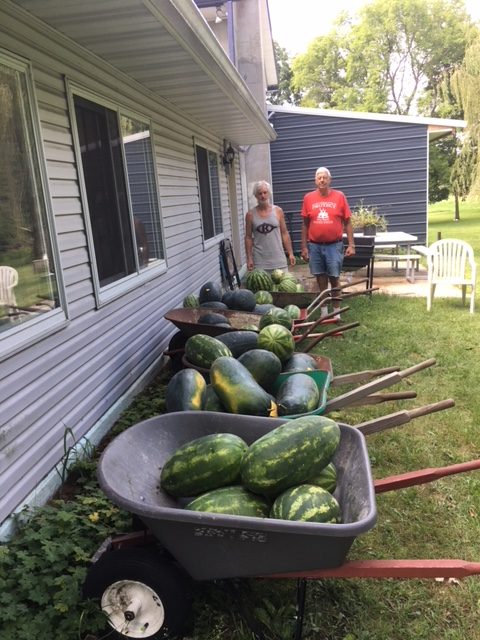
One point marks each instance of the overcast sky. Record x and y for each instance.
(295, 23)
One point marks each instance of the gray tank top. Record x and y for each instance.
(268, 251)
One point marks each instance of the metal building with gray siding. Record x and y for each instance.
(378, 159)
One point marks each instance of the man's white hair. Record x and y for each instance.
(323, 170)
(261, 184)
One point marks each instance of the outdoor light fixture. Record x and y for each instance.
(228, 155)
(221, 14)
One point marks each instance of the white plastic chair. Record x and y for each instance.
(451, 262)
(8, 280)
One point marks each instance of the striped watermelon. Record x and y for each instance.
(277, 339)
(191, 301)
(258, 280)
(287, 285)
(307, 503)
(263, 297)
(277, 315)
(206, 463)
(202, 350)
(234, 500)
(293, 311)
(277, 276)
(327, 478)
(290, 454)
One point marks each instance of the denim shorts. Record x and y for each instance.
(326, 258)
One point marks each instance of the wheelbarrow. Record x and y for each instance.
(368, 393)
(142, 580)
(309, 302)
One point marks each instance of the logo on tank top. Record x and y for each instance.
(265, 228)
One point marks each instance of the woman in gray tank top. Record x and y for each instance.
(267, 241)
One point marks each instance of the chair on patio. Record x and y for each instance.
(364, 257)
(8, 281)
(451, 262)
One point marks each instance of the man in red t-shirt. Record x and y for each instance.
(326, 217)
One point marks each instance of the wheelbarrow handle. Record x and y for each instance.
(409, 568)
(311, 326)
(377, 398)
(363, 391)
(314, 323)
(362, 376)
(331, 332)
(402, 417)
(362, 292)
(417, 367)
(422, 476)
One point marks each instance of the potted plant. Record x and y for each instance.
(367, 219)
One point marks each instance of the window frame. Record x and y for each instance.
(216, 237)
(114, 290)
(23, 335)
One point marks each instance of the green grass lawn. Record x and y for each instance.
(436, 520)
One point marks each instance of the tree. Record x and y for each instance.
(385, 58)
(284, 94)
(466, 85)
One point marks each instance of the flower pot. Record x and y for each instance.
(370, 230)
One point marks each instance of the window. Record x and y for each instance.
(207, 167)
(119, 177)
(28, 283)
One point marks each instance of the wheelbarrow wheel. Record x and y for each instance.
(143, 594)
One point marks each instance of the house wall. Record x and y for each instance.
(383, 163)
(72, 378)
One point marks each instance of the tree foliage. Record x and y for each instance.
(466, 86)
(284, 94)
(387, 57)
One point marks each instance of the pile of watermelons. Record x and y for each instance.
(243, 365)
(244, 369)
(277, 476)
(254, 298)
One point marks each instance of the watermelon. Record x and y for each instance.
(202, 350)
(289, 454)
(227, 298)
(190, 301)
(213, 318)
(287, 285)
(258, 280)
(235, 501)
(238, 390)
(206, 463)
(277, 339)
(243, 300)
(185, 391)
(293, 311)
(213, 304)
(264, 366)
(263, 297)
(297, 394)
(300, 362)
(212, 401)
(300, 288)
(275, 316)
(261, 309)
(277, 276)
(210, 292)
(239, 341)
(307, 503)
(326, 478)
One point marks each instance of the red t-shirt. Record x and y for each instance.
(326, 215)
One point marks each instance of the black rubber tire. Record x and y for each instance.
(148, 567)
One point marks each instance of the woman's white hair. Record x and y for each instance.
(261, 184)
